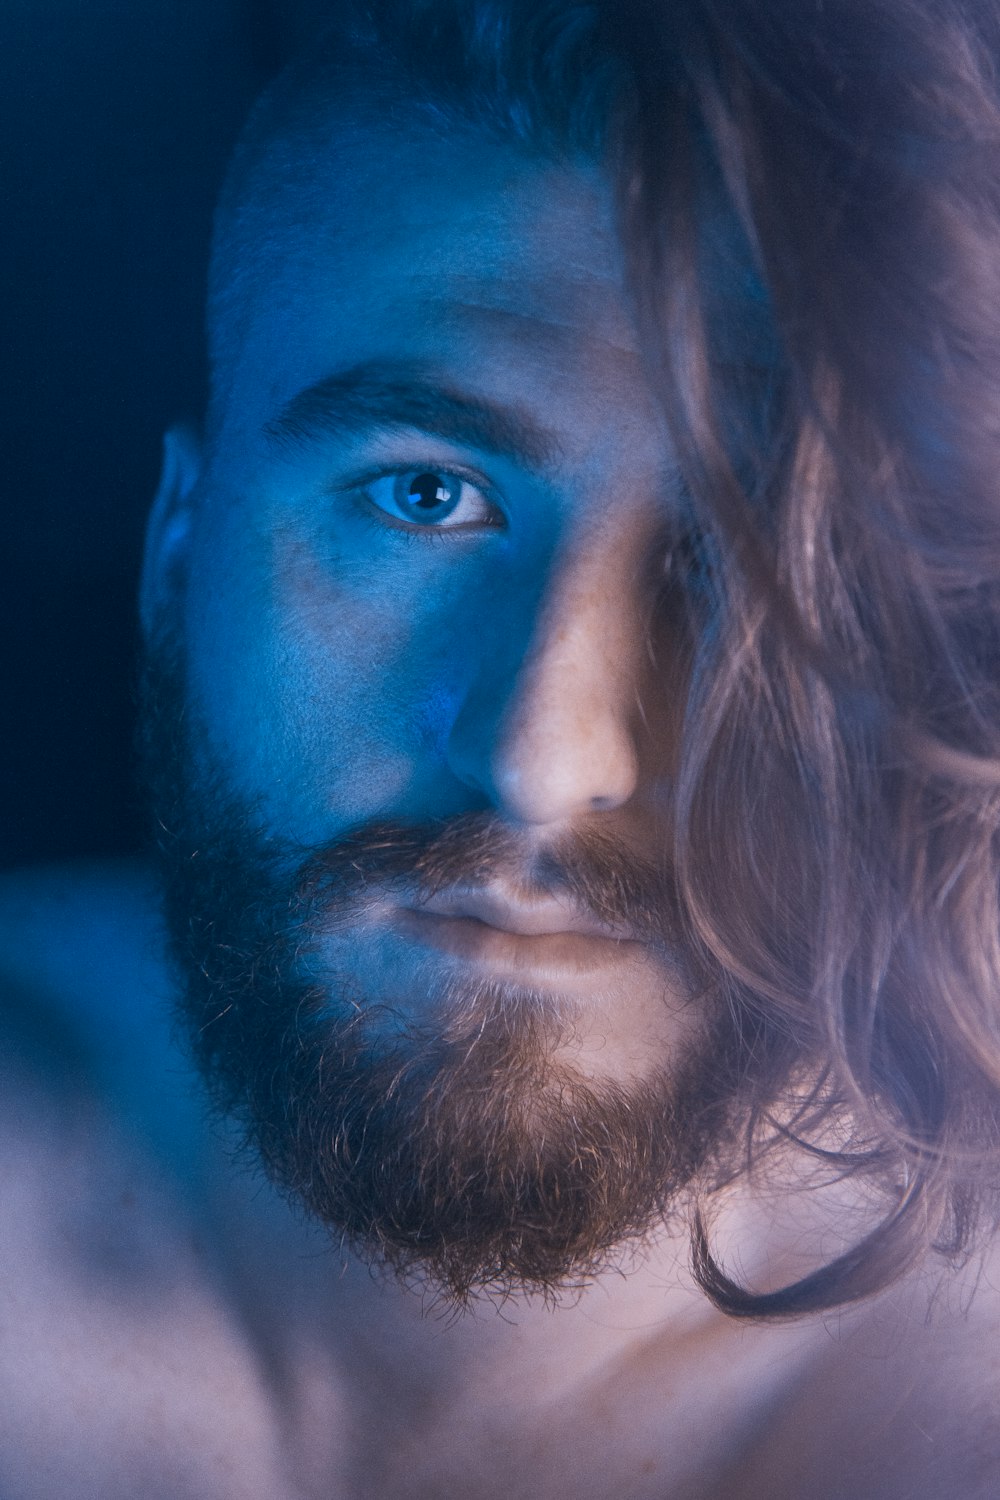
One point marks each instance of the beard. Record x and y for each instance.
(447, 1136)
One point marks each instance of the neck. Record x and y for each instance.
(383, 1331)
(638, 1360)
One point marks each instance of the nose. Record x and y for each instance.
(546, 731)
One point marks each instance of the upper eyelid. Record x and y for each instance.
(449, 467)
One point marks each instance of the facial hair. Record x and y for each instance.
(449, 1140)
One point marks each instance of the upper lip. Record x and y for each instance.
(509, 913)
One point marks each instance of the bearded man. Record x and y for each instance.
(570, 715)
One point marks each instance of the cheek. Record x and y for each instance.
(345, 694)
(327, 688)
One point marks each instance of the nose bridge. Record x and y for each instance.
(547, 730)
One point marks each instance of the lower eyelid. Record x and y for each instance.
(378, 519)
(410, 535)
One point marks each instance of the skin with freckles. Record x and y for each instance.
(507, 655)
(417, 578)
(496, 640)
(417, 567)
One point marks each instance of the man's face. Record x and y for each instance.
(424, 586)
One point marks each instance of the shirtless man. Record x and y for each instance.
(573, 740)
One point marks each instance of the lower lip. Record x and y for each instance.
(548, 954)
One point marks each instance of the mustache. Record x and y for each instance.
(594, 871)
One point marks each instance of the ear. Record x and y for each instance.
(168, 532)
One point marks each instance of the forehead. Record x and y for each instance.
(502, 270)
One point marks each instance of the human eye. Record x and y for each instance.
(431, 499)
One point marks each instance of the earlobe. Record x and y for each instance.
(169, 528)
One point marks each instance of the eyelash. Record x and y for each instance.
(409, 536)
(378, 519)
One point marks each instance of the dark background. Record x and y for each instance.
(116, 117)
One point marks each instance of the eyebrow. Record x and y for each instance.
(386, 396)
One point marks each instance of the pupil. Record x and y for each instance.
(428, 491)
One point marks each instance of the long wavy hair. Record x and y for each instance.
(835, 167)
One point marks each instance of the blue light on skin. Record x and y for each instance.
(455, 309)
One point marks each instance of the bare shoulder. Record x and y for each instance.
(84, 984)
(81, 933)
(126, 1367)
(86, 1021)
(904, 1405)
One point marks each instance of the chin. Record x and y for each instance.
(479, 1121)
